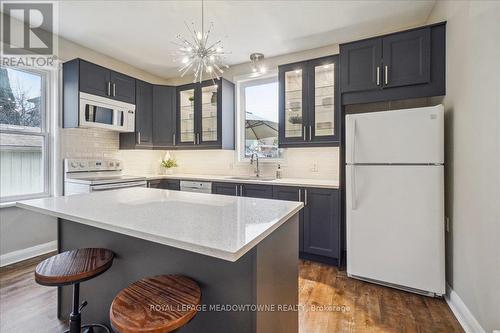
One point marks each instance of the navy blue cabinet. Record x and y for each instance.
(94, 79)
(164, 117)
(309, 103)
(292, 193)
(401, 65)
(256, 191)
(101, 81)
(142, 138)
(166, 184)
(322, 222)
(225, 188)
(319, 221)
(360, 65)
(205, 115)
(122, 87)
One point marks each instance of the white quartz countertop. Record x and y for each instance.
(220, 226)
(303, 182)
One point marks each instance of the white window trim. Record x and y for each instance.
(50, 98)
(242, 81)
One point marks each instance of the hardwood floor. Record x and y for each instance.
(26, 306)
(352, 306)
(368, 308)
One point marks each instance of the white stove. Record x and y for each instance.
(86, 175)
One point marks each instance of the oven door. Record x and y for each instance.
(115, 186)
(100, 112)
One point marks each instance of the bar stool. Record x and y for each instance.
(158, 304)
(74, 267)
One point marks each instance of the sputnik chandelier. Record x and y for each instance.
(198, 55)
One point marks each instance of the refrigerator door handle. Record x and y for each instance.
(353, 141)
(354, 204)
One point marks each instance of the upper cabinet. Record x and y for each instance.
(361, 63)
(164, 116)
(205, 115)
(408, 64)
(309, 105)
(154, 119)
(104, 82)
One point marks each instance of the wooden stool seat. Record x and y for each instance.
(156, 304)
(74, 266)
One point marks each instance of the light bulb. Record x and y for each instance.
(185, 60)
(254, 69)
(219, 49)
(263, 69)
(199, 35)
(212, 58)
(209, 69)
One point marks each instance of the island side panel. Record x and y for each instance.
(277, 278)
(221, 282)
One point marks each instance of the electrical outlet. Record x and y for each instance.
(314, 167)
(448, 227)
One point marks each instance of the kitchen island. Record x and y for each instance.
(243, 252)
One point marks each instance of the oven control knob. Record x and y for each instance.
(82, 164)
(111, 164)
(74, 165)
(117, 164)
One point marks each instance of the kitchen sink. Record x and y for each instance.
(265, 179)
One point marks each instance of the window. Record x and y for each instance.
(258, 114)
(23, 134)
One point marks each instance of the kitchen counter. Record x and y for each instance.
(242, 251)
(220, 226)
(302, 182)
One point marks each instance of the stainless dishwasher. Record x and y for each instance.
(193, 186)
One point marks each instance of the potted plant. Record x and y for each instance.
(168, 163)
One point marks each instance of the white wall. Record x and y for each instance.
(472, 121)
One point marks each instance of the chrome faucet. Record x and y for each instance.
(257, 169)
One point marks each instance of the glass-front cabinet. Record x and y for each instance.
(309, 103)
(186, 115)
(209, 115)
(206, 115)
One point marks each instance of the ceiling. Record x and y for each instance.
(141, 33)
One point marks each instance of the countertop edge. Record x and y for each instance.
(219, 254)
(228, 179)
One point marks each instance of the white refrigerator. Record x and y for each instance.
(395, 198)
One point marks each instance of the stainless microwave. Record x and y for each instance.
(102, 112)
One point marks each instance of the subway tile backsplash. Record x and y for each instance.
(316, 163)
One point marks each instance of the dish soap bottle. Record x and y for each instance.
(278, 172)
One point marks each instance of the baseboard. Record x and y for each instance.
(30, 252)
(462, 313)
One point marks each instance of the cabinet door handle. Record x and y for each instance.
(109, 89)
(173, 139)
(197, 138)
(304, 135)
(241, 190)
(139, 137)
(114, 89)
(310, 133)
(386, 75)
(305, 197)
(300, 194)
(236, 189)
(378, 75)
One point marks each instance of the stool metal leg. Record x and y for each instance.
(75, 318)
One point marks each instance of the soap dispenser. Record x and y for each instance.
(278, 172)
